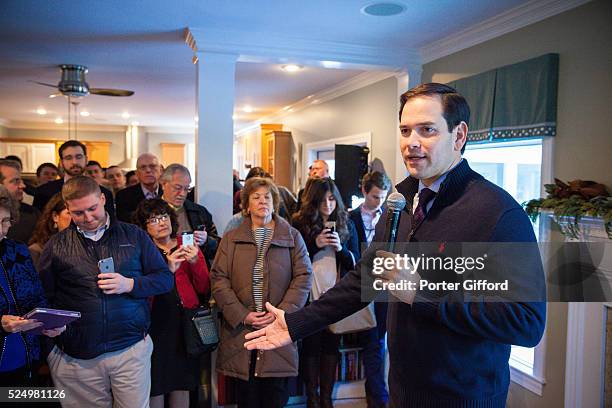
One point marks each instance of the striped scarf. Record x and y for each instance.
(262, 237)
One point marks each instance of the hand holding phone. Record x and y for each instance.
(187, 239)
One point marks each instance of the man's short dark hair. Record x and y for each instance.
(42, 166)
(71, 143)
(8, 163)
(14, 158)
(455, 108)
(376, 179)
(94, 163)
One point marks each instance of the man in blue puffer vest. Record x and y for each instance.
(103, 358)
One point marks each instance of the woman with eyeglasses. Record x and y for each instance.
(173, 372)
(20, 292)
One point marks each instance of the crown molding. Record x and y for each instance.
(171, 130)
(268, 47)
(506, 22)
(352, 84)
(12, 124)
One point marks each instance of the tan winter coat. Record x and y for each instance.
(287, 280)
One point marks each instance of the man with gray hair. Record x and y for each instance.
(148, 171)
(10, 177)
(192, 217)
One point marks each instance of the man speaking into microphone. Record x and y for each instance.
(444, 350)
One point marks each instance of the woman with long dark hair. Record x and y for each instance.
(55, 218)
(331, 239)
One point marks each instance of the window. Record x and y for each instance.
(519, 168)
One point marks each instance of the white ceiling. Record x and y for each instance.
(140, 45)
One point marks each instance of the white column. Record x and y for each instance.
(215, 84)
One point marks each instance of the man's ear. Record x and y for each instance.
(102, 198)
(460, 137)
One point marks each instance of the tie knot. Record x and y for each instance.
(425, 196)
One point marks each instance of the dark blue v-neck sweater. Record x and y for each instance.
(445, 352)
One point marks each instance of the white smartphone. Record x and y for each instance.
(187, 239)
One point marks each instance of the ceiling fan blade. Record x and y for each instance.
(110, 92)
(42, 83)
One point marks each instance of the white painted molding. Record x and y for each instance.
(530, 382)
(270, 47)
(506, 22)
(352, 84)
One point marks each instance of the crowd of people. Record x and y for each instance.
(81, 213)
(278, 254)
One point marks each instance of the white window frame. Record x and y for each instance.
(534, 381)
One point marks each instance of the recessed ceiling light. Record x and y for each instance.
(234, 117)
(84, 113)
(59, 121)
(315, 101)
(286, 108)
(125, 115)
(331, 64)
(247, 109)
(135, 123)
(291, 67)
(309, 96)
(196, 119)
(291, 110)
(383, 9)
(41, 111)
(53, 95)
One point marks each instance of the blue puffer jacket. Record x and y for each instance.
(69, 269)
(27, 289)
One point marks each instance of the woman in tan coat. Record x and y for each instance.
(263, 260)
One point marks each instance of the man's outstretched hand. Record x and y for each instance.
(272, 336)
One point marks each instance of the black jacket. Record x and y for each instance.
(69, 269)
(45, 192)
(22, 231)
(198, 215)
(355, 216)
(128, 199)
(346, 258)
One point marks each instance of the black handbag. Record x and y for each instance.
(199, 328)
(200, 331)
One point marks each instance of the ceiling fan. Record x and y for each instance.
(73, 83)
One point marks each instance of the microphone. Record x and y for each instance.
(395, 204)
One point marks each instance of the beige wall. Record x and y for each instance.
(583, 145)
(582, 37)
(369, 109)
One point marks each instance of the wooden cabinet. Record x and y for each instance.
(277, 154)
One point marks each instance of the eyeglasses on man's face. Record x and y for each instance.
(177, 188)
(158, 219)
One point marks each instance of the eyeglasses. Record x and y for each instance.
(158, 219)
(152, 167)
(177, 188)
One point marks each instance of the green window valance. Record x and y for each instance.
(513, 102)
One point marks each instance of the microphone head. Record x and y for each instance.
(396, 202)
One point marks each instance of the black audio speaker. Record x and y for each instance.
(351, 166)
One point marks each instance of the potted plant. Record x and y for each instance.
(569, 202)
